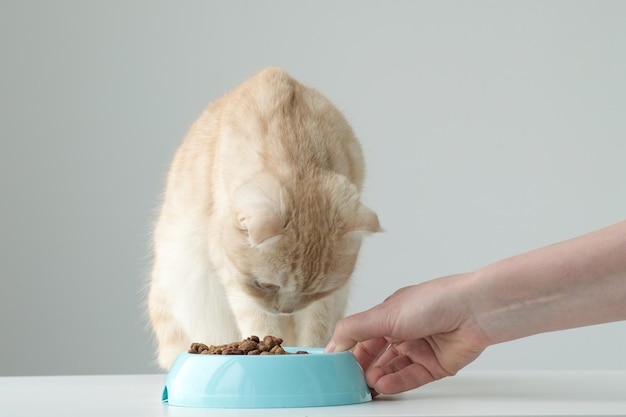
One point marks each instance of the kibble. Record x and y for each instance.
(270, 345)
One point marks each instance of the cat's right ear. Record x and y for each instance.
(258, 207)
(264, 228)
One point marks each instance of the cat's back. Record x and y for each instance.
(270, 122)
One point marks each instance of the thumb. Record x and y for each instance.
(373, 323)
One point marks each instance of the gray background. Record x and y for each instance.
(489, 128)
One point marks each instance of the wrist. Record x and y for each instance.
(504, 307)
(471, 296)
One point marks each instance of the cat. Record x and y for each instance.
(261, 221)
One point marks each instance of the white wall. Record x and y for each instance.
(489, 128)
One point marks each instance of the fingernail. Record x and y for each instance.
(330, 347)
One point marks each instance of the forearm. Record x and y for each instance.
(574, 283)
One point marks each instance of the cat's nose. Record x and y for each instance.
(287, 309)
(288, 304)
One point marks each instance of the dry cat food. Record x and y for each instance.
(270, 345)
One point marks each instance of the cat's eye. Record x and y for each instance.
(265, 285)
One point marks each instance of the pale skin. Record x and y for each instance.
(432, 330)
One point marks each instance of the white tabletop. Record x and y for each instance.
(574, 393)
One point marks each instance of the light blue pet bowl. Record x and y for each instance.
(267, 381)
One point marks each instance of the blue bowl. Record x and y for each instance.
(268, 381)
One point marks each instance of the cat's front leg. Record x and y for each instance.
(315, 324)
(252, 320)
(170, 335)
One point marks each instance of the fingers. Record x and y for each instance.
(397, 376)
(404, 366)
(368, 352)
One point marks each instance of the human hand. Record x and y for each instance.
(432, 330)
(417, 335)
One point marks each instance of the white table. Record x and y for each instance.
(579, 393)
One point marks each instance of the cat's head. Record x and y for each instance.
(291, 243)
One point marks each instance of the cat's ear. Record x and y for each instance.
(258, 206)
(362, 220)
(264, 228)
(365, 221)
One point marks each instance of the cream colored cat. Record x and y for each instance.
(261, 222)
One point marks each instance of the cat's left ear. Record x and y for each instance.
(365, 221)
